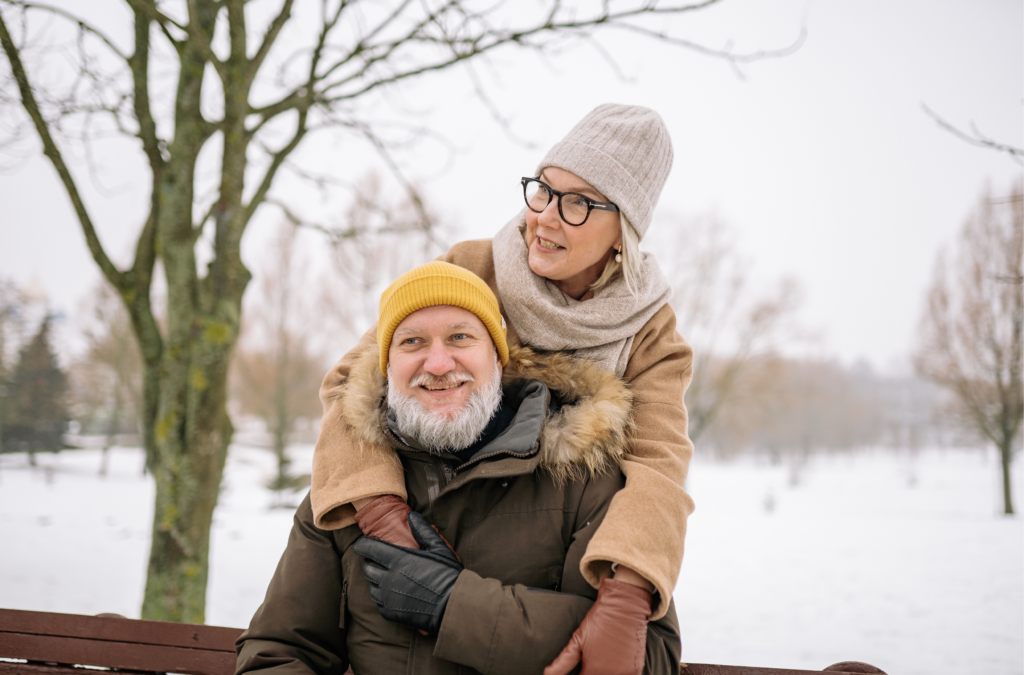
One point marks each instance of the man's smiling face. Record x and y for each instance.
(440, 356)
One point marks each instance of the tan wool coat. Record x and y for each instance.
(645, 526)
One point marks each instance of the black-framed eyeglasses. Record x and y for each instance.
(572, 206)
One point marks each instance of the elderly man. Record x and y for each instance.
(510, 462)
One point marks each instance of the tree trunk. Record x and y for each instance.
(281, 453)
(188, 477)
(191, 430)
(192, 435)
(1006, 459)
(282, 421)
(281, 428)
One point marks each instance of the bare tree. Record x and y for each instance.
(364, 266)
(106, 381)
(732, 323)
(972, 329)
(199, 76)
(276, 371)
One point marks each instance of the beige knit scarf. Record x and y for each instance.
(600, 329)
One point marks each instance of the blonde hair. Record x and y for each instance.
(630, 265)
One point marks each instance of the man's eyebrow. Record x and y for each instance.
(460, 326)
(582, 189)
(408, 330)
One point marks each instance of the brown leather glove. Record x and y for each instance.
(387, 518)
(612, 639)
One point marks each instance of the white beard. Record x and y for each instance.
(438, 431)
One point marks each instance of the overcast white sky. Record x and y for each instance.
(823, 161)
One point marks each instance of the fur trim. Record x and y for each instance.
(362, 399)
(591, 431)
(587, 436)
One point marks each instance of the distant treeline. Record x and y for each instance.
(780, 406)
(744, 396)
(791, 406)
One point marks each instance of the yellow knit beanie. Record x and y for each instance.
(438, 283)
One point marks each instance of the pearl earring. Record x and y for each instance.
(618, 256)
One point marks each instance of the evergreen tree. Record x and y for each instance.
(39, 409)
(10, 311)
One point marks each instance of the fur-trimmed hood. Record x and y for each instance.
(586, 435)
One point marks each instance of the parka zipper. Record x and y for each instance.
(438, 477)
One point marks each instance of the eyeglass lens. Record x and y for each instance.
(574, 207)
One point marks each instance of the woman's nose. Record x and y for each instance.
(550, 217)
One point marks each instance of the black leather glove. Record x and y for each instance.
(411, 587)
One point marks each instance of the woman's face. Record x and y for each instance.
(573, 257)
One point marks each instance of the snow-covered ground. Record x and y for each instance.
(900, 561)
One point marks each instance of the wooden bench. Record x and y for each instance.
(44, 643)
(55, 643)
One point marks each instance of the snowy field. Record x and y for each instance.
(899, 561)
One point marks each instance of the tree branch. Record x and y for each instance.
(468, 46)
(727, 54)
(237, 41)
(336, 235)
(113, 275)
(495, 112)
(139, 64)
(278, 159)
(136, 295)
(978, 138)
(302, 96)
(268, 40)
(68, 15)
(201, 39)
(197, 229)
(426, 222)
(465, 48)
(149, 8)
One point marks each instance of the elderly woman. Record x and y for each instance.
(570, 276)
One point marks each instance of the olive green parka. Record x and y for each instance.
(519, 513)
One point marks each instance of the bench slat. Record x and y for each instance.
(713, 669)
(111, 654)
(8, 668)
(138, 631)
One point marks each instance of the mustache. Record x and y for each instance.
(450, 378)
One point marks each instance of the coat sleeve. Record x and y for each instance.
(497, 629)
(646, 523)
(296, 631)
(345, 470)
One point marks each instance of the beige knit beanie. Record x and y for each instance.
(622, 150)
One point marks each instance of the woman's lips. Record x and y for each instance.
(546, 245)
